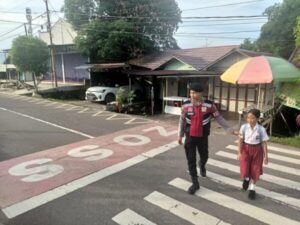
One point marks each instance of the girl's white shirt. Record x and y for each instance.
(252, 136)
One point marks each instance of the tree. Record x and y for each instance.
(122, 29)
(30, 54)
(277, 34)
(297, 32)
(247, 44)
(79, 12)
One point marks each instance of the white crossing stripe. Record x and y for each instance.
(276, 149)
(272, 156)
(281, 198)
(129, 217)
(267, 177)
(283, 169)
(182, 210)
(236, 205)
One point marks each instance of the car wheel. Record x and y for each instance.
(110, 98)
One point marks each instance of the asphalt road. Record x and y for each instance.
(135, 184)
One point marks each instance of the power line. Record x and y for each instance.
(216, 6)
(8, 32)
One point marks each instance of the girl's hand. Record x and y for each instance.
(239, 156)
(180, 140)
(266, 160)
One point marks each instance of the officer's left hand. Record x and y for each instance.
(234, 132)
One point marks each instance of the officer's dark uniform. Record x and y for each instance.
(194, 124)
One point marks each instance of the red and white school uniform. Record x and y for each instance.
(252, 151)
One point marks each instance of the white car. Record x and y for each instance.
(108, 94)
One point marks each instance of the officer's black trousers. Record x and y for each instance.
(191, 145)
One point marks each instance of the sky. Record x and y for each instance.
(192, 32)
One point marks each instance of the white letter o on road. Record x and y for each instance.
(142, 140)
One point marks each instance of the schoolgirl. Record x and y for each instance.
(252, 151)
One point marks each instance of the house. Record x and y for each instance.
(171, 72)
(65, 55)
(8, 72)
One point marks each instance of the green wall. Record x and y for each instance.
(177, 65)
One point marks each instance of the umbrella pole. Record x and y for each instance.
(258, 97)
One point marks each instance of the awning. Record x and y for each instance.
(173, 73)
(101, 66)
(84, 67)
(4, 67)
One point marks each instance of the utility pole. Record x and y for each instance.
(54, 77)
(29, 19)
(7, 78)
(25, 29)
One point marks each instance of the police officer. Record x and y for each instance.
(194, 124)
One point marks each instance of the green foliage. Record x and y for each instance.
(130, 97)
(248, 45)
(121, 96)
(297, 32)
(277, 34)
(124, 29)
(79, 12)
(64, 95)
(30, 54)
(291, 141)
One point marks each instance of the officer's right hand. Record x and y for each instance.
(180, 140)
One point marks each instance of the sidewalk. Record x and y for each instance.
(43, 86)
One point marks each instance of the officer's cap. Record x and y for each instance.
(196, 87)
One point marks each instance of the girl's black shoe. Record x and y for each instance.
(251, 195)
(246, 184)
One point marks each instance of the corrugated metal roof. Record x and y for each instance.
(196, 57)
(199, 58)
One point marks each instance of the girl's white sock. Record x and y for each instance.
(247, 178)
(252, 187)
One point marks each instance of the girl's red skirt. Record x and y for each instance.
(251, 161)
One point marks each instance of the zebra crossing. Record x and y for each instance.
(184, 211)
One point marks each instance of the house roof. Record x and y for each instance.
(199, 58)
(169, 73)
(62, 34)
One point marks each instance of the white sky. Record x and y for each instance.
(191, 33)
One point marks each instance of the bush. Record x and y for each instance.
(64, 95)
(291, 141)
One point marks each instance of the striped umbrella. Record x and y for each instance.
(261, 70)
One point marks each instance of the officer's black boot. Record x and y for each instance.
(195, 186)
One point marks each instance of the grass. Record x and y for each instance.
(291, 141)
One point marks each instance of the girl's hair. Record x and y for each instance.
(255, 112)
